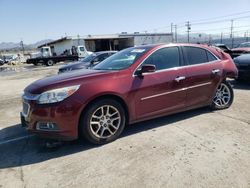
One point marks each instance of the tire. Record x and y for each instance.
(50, 62)
(223, 97)
(35, 64)
(105, 127)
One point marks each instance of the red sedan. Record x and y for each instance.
(133, 85)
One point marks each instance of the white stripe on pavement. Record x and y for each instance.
(16, 139)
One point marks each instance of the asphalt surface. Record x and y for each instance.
(198, 148)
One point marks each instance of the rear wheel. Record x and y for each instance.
(223, 97)
(50, 62)
(103, 121)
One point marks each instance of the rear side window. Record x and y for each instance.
(210, 56)
(164, 58)
(196, 55)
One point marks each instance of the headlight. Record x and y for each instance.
(56, 95)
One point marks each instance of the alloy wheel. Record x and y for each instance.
(105, 121)
(222, 96)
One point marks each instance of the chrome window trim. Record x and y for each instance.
(167, 46)
(181, 66)
(174, 91)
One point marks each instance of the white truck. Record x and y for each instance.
(49, 55)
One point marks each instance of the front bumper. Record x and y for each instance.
(65, 115)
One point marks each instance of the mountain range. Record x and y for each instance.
(12, 45)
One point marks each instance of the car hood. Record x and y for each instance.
(63, 80)
(243, 59)
(75, 65)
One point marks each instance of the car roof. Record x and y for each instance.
(206, 46)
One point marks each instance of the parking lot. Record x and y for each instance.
(198, 148)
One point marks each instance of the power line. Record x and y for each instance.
(182, 24)
(223, 28)
(218, 21)
(213, 18)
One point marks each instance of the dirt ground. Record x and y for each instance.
(198, 148)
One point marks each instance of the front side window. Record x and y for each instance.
(164, 58)
(101, 57)
(89, 58)
(82, 49)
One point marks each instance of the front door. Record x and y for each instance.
(162, 91)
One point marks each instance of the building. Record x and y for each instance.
(124, 40)
(109, 42)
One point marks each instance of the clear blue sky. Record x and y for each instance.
(34, 20)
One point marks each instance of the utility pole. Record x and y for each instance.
(221, 36)
(175, 26)
(188, 29)
(210, 39)
(246, 36)
(22, 46)
(78, 40)
(231, 34)
(172, 32)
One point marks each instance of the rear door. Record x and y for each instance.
(203, 74)
(162, 91)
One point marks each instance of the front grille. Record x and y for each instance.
(26, 108)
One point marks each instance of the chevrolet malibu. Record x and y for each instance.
(135, 84)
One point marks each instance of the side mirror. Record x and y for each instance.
(147, 68)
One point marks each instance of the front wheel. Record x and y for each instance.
(50, 62)
(223, 97)
(103, 121)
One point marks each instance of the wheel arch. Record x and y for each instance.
(101, 97)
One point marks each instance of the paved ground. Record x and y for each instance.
(198, 148)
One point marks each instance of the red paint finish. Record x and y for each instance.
(153, 95)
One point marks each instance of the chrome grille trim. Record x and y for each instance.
(26, 109)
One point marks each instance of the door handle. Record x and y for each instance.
(179, 78)
(215, 71)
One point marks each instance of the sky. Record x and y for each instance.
(35, 20)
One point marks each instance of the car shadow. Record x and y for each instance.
(32, 150)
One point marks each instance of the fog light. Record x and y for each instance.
(48, 126)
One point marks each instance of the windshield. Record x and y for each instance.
(89, 58)
(244, 45)
(122, 59)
